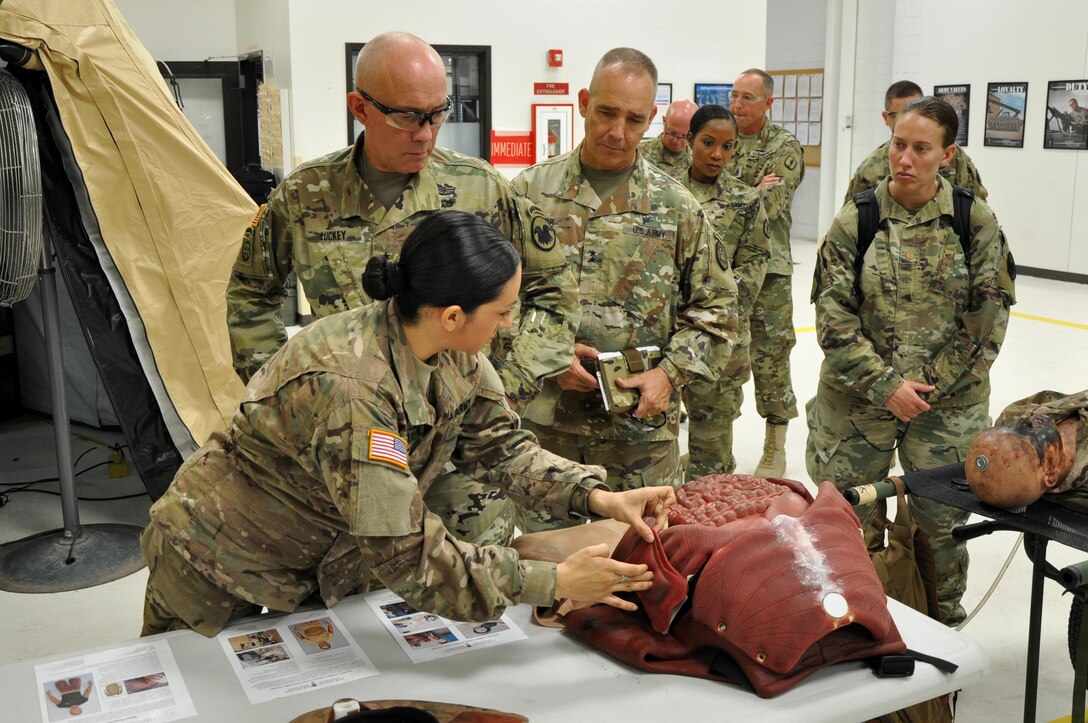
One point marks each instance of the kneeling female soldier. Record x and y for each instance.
(318, 483)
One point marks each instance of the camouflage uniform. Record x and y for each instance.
(297, 501)
(922, 316)
(1073, 490)
(960, 171)
(650, 272)
(673, 164)
(324, 223)
(773, 150)
(736, 214)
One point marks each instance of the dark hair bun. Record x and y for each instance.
(383, 278)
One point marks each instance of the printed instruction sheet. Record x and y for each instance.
(134, 684)
(275, 657)
(426, 636)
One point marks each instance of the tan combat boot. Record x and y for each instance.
(773, 463)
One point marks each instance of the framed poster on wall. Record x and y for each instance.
(716, 93)
(662, 102)
(959, 97)
(1006, 108)
(553, 130)
(1066, 115)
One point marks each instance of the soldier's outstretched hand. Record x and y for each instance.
(590, 575)
(632, 506)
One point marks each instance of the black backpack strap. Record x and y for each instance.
(868, 223)
(962, 198)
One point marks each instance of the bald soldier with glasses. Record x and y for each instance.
(332, 214)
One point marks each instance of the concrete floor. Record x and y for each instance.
(1047, 351)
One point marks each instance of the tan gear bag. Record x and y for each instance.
(907, 568)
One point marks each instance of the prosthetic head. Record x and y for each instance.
(1015, 464)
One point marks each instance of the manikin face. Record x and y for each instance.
(711, 148)
(915, 155)
(617, 114)
(478, 329)
(1014, 464)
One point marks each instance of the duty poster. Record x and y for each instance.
(1066, 115)
(959, 97)
(1006, 107)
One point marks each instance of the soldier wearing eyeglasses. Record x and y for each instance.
(332, 214)
(769, 158)
(960, 171)
(670, 150)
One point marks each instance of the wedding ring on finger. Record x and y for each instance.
(624, 579)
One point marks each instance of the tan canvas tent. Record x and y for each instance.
(131, 188)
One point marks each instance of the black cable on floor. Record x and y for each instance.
(28, 486)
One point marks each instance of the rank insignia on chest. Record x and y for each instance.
(385, 446)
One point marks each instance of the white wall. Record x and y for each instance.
(1034, 192)
(265, 25)
(795, 40)
(306, 38)
(187, 30)
(876, 43)
(718, 41)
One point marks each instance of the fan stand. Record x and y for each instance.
(75, 556)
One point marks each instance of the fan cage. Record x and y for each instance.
(20, 193)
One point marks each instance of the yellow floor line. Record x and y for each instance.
(1046, 320)
(803, 329)
(1068, 719)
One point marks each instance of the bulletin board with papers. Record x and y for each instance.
(798, 107)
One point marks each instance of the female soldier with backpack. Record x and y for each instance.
(909, 327)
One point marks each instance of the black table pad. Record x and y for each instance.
(948, 484)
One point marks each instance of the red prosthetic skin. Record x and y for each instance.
(670, 587)
(775, 590)
(777, 601)
(704, 519)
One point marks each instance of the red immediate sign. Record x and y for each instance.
(551, 88)
(511, 148)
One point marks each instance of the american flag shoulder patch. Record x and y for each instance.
(388, 447)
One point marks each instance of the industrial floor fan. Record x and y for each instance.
(75, 556)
